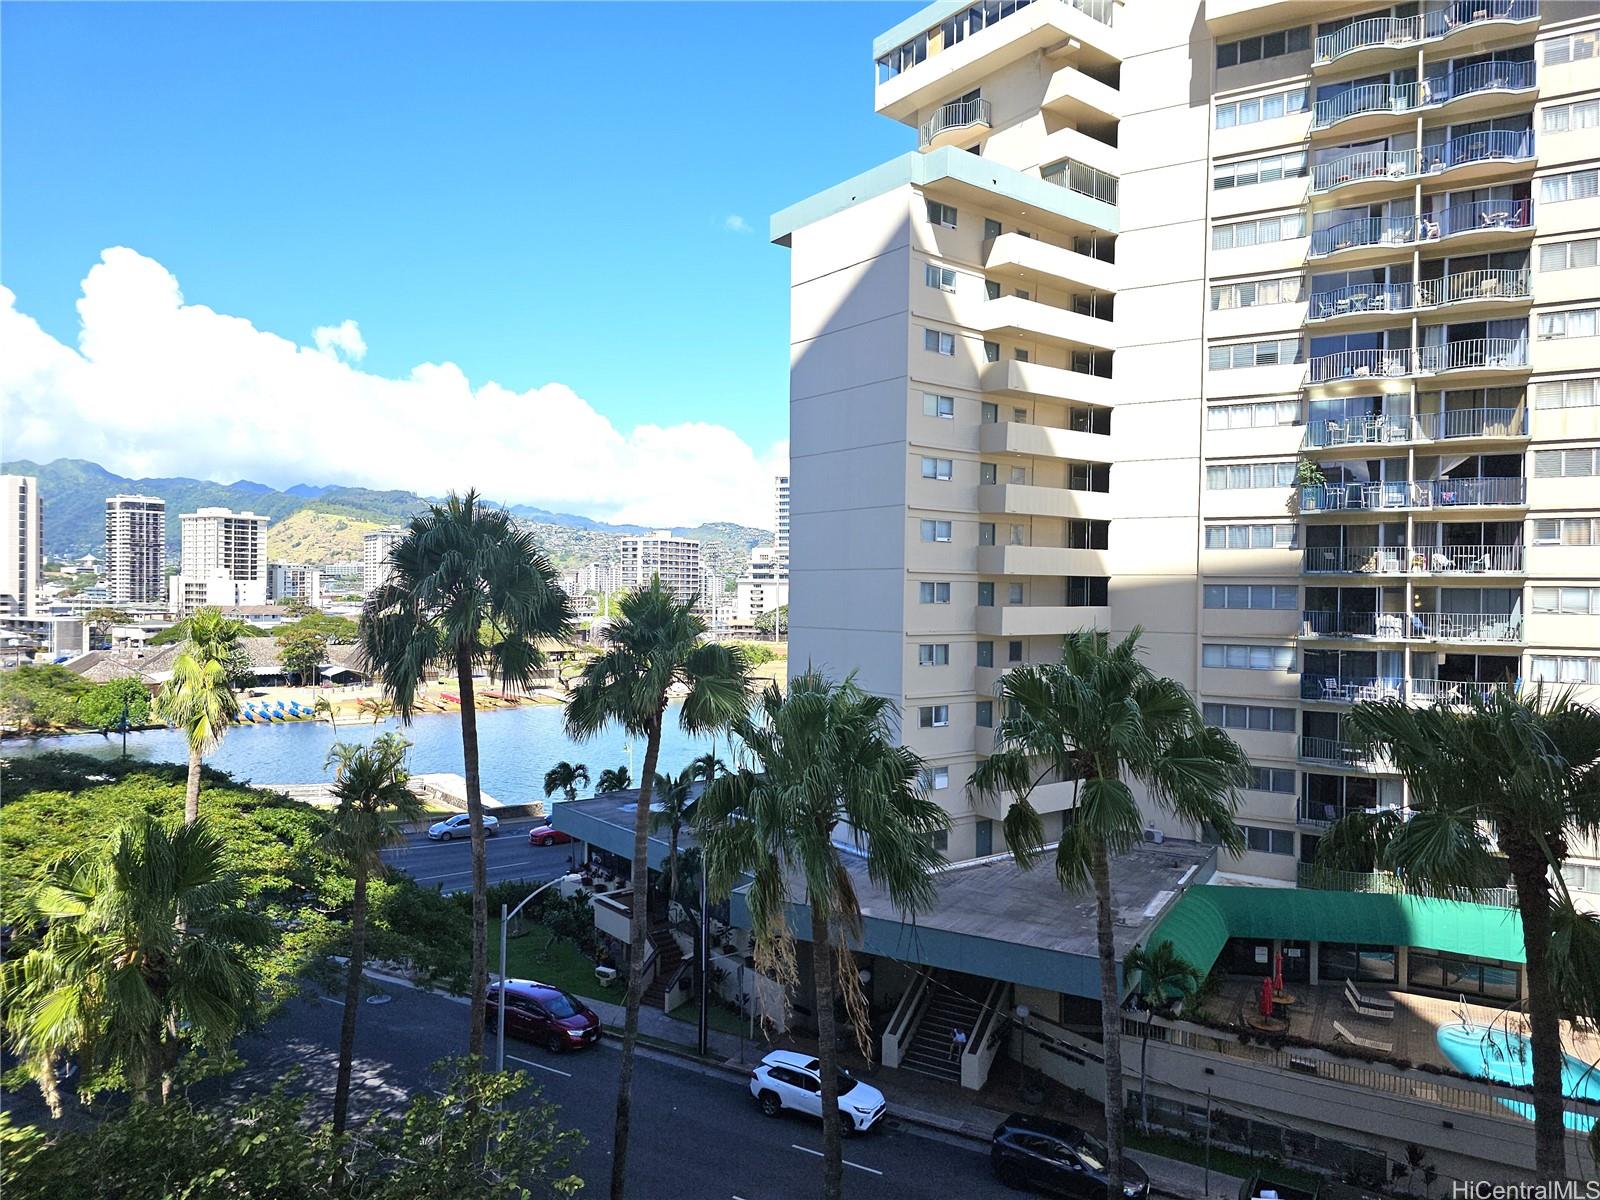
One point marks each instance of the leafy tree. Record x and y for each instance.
(1161, 977)
(656, 645)
(467, 588)
(100, 621)
(827, 758)
(1500, 779)
(103, 707)
(374, 802)
(329, 626)
(177, 632)
(326, 709)
(199, 699)
(302, 653)
(41, 697)
(566, 778)
(295, 606)
(614, 779)
(775, 622)
(144, 950)
(1102, 719)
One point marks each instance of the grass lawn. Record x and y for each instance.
(1227, 1162)
(562, 965)
(717, 1017)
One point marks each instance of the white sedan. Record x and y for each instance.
(785, 1079)
(460, 825)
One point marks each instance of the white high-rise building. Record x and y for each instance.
(375, 548)
(223, 561)
(780, 521)
(21, 544)
(676, 560)
(762, 587)
(136, 549)
(295, 581)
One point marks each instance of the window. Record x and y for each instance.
(1266, 169)
(1261, 108)
(1568, 531)
(1013, 593)
(933, 654)
(1013, 652)
(991, 289)
(991, 352)
(935, 531)
(1348, 960)
(1460, 975)
(1568, 256)
(1569, 323)
(933, 716)
(1237, 356)
(985, 533)
(941, 214)
(1261, 718)
(1575, 47)
(939, 342)
(1241, 476)
(939, 406)
(988, 414)
(991, 228)
(1258, 232)
(1078, 177)
(1250, 537)
(1566, 393)
(1255, 415)
(985, 714)
(1582, 600)
(1581, 878)
(936, 468)
(933, 593)
(1265, 45)
(1564, 118)
(1288, 289)
(1252, 595)
(988, 473)
(936, 779)
(1566, 464)
(1272, 779)
(986, 654)
(1565, 668)
(1573, 185)
(986, 595)
(1247, 658)
(1088, 591)
(1267, 841)
(943, 278)
(1088, 535)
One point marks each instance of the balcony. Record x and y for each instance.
(1355, 560)
(1487, 287)
(1488, 355)
(1469, 492)
(1032, 620)
(1363, 431)
(1380, 168)
(1327, 879)
(1486, 79)
(1476, 221)
(1043, 441)
(1319, 814)
(1041, 560)
(1362, 364)
(1461, 424)
(951, 124)
(1023, 499)
(1331, 752)
(1016, 255)
(1032, 321)
(1420, 560)
(1417, 627)
(1328, 689)
(1363, 233)
(1034, 380)
(1376, 36)
(1451, 692)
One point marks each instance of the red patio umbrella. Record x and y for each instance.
(1277, 973)
(1266, 997)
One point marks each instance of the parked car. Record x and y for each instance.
(547, 835)
(786, 1080)
(1051, 1156)
(460, 825)
(537, 1012)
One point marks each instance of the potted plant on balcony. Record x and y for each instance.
(1308, 474)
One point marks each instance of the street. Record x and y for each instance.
(697, 1134)
(448, 865)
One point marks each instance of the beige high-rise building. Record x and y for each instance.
(21, 544)
(1269, 328)
(780, 521)
(136, 549)
(676, 560)
(223, 561)
(375, 547)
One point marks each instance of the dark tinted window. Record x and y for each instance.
(560, 1005)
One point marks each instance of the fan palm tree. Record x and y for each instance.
(467, 588)
(656, 646)
(673, 805)
(328, 711)
(826, 757)
(375, 801)
(1162, 977)
(1103, 720)
(566, 778)
(145, 949)
(376, 707)
(614, 780)
(199, 699)
(1502, 784)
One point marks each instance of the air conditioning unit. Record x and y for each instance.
(1152, 834)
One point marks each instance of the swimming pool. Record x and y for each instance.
(1507, 1057)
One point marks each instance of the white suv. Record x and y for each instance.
(789, 1080)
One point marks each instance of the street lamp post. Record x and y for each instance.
(703, 966)
(125, 727)
(500, 1006)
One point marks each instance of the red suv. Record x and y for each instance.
(537, 1012)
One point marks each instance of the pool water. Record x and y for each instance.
(1507, 1057)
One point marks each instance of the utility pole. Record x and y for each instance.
(702, 967)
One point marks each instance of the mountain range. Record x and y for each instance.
(325, 522)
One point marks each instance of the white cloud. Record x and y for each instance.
(734, 223)
(158, 386)
(344, 338)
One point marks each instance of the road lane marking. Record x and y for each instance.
(845, 1161)
(528, 1062)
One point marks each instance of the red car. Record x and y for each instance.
(547, 835)
(537, 1012)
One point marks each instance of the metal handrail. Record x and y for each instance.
(1368, 97)
(1356, 560)
(1479, 77)
(1447, 691)
(1464, 627)
(1470, 491)
(1335, 753)
(1321, 813)
(1333, 689)
(1491, 145)
(1364, 231)
(1362, 431)
(1467, 560)
(1467, 354)
(1316, 622)
(1491, 284)
(1472, 353)
(1330, 879)
(1475, 216)
(1359, 364)
(1473, 423)
(958, 114)
(1364, 164)
(1405, 31)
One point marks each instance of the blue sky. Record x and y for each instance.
(535, 192)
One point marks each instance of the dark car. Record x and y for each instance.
(537, 1012)
(1052, 1156)
(547, 835)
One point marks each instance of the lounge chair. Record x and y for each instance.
(1361, 1009)
(1359, 999)
(1340, 1033)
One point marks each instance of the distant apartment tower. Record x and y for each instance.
(294, 581)
(676, 560)
(780, 522)
(223, 561)
(21, 542)
(763, 586)
(136, 549)
(603, 576)
(375, 549)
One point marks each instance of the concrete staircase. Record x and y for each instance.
(930, 1050)
(668, 957)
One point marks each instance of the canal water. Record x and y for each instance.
(516, 746)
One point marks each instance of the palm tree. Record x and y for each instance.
(673, 807)
(375, 801)
(328, 711)
(656, 646)
(827, 757)
(1102, 719)
(1498, 785)
(567, 778)
(614, 780)
(467, 588)
(376, 707)
(1163, 977)
(199, 698)
(145, 949)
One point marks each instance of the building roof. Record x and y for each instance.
(153, 664)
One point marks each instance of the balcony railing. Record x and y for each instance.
(1472, 423)
(1320, 814)
(1339, 624)
(1470, 492)
(1356, 560)
(1398, 32)
(1467, 560)
(1335, 753)
(1450, 692)
(1359, 431)
(1361, 364)
(1364, 231)
(1432, 92)
(1475, 216)
(1330, 689)
(1356, 298)
(1328, 879)
(1495, 145)
(959, 114)
(1417, 626)
(1468, 354)
(1365, 164)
